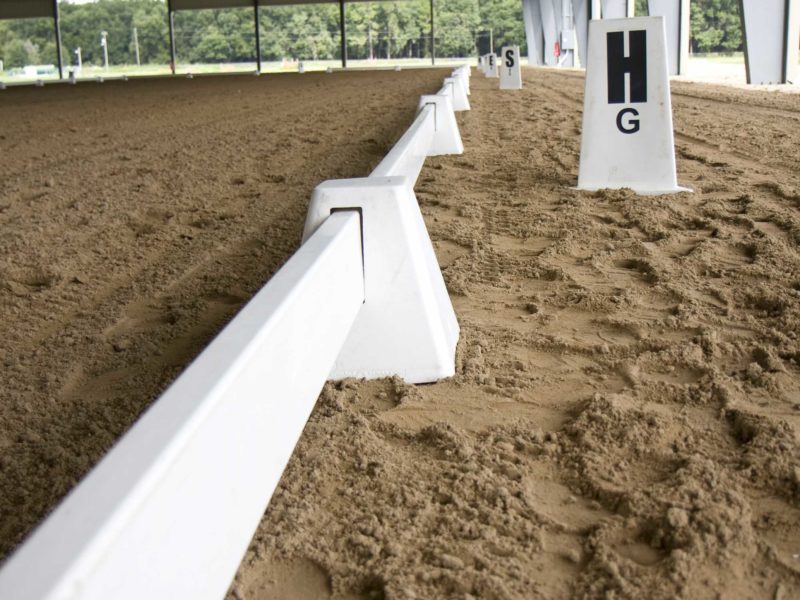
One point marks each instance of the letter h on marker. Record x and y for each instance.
(634, 65)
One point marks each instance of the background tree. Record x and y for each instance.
(716, 26)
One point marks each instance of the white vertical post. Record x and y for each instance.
(583, 11)
(104, 44)
(534, 35)
(676, 19)
(618, 9)
(772, 33)
(170, 511)
(510, 75)
(407, 326)
(627, 138)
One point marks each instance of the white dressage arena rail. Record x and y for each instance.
(170, 510)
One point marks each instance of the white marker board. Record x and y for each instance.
(510, 75)
(627, 138)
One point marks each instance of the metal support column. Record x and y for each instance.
(534, 33)
(57, 25)
(343, 33)
(676, 20)
(258, 35)
(771, 31)
(433, 38)
(172, 59)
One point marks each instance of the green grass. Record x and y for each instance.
(732, 58)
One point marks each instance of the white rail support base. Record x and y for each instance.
(170, 511)
(447, 138)
(407, 326)
(459, 93)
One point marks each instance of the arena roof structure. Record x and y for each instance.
(27, 9)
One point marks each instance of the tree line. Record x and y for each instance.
(305, 32)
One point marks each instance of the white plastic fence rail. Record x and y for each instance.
(409, 153)
(170, 510)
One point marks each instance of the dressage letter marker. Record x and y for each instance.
(491, 65)
(510, 76)
(627, 139)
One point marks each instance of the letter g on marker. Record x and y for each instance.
(632, 125)
(635, 66)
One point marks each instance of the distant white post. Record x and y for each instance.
(510, 75)
(170, 511)
(454, 86)
(104, 44)
(676, 19)
(491, 66)
(772, 34)
(567, 39)
(627, 138)
(136, 46)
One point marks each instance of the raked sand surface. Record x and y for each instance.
(624, 418)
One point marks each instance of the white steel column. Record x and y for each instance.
(566, 24)
(676, 17)
(170, 511)
(617, 9)
(532, 17)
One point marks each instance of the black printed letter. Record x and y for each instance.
(619, 64)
